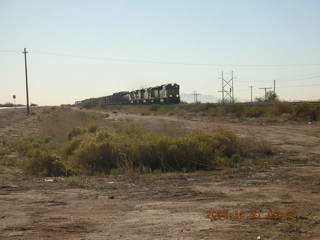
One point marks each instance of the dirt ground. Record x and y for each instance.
(279, 203)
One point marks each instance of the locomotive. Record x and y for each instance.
(166, 93)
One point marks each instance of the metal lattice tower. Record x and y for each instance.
(227, 90)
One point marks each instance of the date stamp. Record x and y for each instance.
(251, 214)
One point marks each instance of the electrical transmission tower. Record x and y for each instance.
(227, 90)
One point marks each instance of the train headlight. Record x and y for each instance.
(177, 95)
(170, 95)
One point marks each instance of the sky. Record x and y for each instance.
(80, 49)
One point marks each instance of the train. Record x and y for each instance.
(166, 93)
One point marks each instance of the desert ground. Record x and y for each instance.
(225, 204)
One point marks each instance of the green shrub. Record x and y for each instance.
(306, 111)
(75, 132)
(199, 107)
(91, 157)
(93, 128)
(135, 150)
(44, 164)
(72, 146)
(240, 110)
(42, 158)
(256, 112)
(193, 152)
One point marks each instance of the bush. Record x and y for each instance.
(199, 107)
(256, 112)
(91, 157)
(43, 160)
(135, 150)
(75, 132)
(93, 128)
(278, 108)
(7, 105)
(240, 110)
(306, 111)
(44, 164)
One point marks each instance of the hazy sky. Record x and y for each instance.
(80, 49)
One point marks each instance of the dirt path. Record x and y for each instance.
(170, 206)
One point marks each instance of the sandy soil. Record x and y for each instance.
(170, 206)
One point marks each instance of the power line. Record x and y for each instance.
(175, 63)
(305, 85)
(286, 80)
(288, 86)
(8, 51)
(169, 63)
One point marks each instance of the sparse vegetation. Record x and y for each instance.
(156, 159)
(95, 150)
(58, 122)
(306, 111)
(279, 107)
(272, 108)
(42, 158)
(91, 148)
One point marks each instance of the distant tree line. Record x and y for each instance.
(16, 105)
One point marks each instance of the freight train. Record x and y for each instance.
(167, 93)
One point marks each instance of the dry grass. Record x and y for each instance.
(78, 143)
(58, 122)
(133, 150)
(303, 111)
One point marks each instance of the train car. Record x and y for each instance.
(118, 98)
(167, 93)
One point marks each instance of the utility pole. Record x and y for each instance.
(222, 91)
(274, 87)
(265, 92)
(251, 92)
(232, 87)
(195, 96)
(26, 71)
(227, 90)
